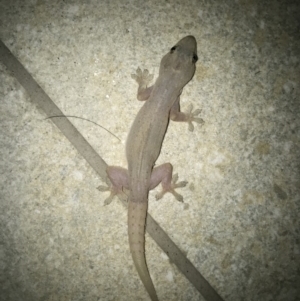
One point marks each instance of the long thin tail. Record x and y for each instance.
(137, 212)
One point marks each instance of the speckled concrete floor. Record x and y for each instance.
(239, 223)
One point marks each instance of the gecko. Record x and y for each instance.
(144, 144)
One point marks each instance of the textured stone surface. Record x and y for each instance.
(239, 224)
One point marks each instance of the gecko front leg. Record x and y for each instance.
(189, 117)
(143, 78)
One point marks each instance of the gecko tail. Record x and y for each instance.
(141, 267)
(137, 212)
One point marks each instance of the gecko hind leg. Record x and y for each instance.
(163, 174)
(119, 179)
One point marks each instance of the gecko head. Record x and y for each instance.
(180, 63)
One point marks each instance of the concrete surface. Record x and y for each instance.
(239, 223)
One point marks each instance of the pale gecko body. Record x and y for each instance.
(144, 143)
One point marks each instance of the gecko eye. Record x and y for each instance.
(195, 58)
(173, 49)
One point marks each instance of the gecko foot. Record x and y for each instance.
(191, 116)
(143, 78)
(171, 188)
(113, 193)
(116, 182)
